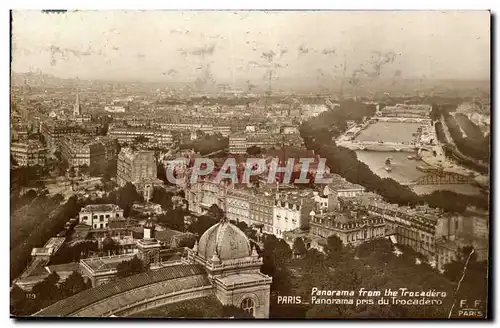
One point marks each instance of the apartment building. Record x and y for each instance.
(352, 225)
(54, 132)
(28, 153)
(205, 193)
(135, 166)
(97, 216)
(417, 228)
(130, 135)
(251, 206)
(291, 210)
(95, 153)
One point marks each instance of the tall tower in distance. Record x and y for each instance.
(76, 108)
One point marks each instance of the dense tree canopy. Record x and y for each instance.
(130, 267)
(125, 198)
(207, 144)
(299, 248)
(201, 224)
(44, 212)
(162, 197)
(254, 150)
(173, 219)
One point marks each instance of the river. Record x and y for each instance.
(405, 170)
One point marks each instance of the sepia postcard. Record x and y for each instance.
(250, 164)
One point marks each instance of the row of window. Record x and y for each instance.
(100, 217)
(361, 235)
(278, 218)
(328, 223)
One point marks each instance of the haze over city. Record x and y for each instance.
(234, 47)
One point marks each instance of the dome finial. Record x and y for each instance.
(254, 252)
(215, 258)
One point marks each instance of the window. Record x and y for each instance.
(248, 306)
(107, 216)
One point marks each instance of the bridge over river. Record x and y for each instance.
(438, 177)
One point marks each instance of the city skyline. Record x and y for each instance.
(190, 47)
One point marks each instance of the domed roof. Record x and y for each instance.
(225, 239)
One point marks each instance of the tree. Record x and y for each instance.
(17, 300)
(334, 246)
(173, 219)
(187, 242)
(162, 197)
(379, 250)
(161, 172)
(58, 198)
(242, 226)
(130, 267)
(84, 169)
(58, 155)
(13, 162)
(201, 225)
(74, 284)
(126, 196)
(216, 212)
(141, 139)
(47, 291)
(254, 150)
(299, 248)
(454, 270)
(109, 246)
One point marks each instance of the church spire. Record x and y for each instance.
(76, 108)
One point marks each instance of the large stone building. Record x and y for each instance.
(352, 225)
(28, 153)
(99, 215)
(222, 264)
(205, 193)
(138, 168)
(224, 130)
(54, 131)
(251, 206)
(239, 143)
(415, 228)
(130, 134)
(95, 153)
(292, 210)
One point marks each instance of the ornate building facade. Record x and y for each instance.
(222, 264)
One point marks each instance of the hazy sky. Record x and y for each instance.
(229, 46)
